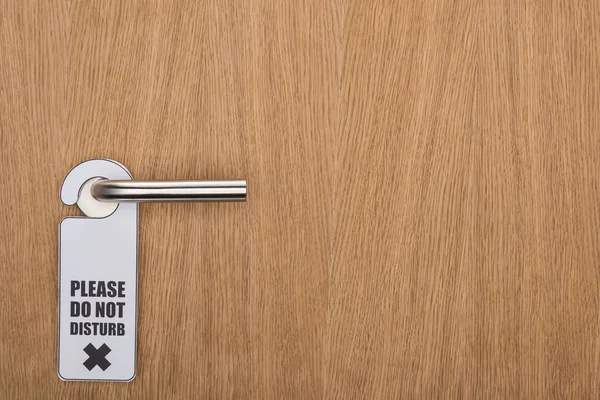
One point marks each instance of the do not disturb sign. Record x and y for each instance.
(97, 287)
(97, 313)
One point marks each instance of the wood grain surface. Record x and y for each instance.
(423, 207)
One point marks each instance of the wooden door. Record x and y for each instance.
(423, 205)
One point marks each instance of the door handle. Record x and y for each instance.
(99, 196)
(160, 191)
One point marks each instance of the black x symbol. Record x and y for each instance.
(97, 357)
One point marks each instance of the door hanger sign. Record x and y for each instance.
(97, 284)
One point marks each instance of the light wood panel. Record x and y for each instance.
(533, 289)
(404, 156)
(32, 112)
(422, 218)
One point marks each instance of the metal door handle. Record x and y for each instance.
(100, 195)
(160, 191)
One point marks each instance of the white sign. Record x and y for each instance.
(97, 285)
